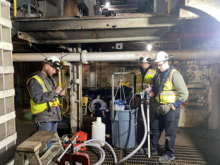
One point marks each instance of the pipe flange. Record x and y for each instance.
(84, 53)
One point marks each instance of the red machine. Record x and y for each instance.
(76, 157)
(81, 139)
(73, 156)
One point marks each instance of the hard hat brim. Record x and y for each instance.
(159, 60)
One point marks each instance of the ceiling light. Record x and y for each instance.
(149, 47)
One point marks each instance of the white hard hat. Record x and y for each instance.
(161, 56)
(145, 59)
(54, 62)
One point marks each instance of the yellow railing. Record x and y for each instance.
(15, 8)
(168, 10)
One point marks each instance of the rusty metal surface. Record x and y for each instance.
(92, 36)
(129, 27)
(25, 36)
(98, 23)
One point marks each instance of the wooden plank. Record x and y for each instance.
(50, 154)
(5, 22)
(7, 117)
(7, 93)
(8, 140)
(19, 158)
(6, 46)
(53, 163)
(29, 146)
(33, 158)
(42, 136)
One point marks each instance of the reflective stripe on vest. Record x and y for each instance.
(169, 93)
(148, 79)
(37, 108)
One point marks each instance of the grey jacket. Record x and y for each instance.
(37, 95)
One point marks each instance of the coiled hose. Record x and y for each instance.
(101, 102)
(102, 152)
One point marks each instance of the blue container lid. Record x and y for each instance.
(120, 102)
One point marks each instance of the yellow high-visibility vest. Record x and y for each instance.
(148, 79)
(169, 93)
(37, 108)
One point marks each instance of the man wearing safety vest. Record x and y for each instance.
(43, 89)
(143, 76)
(170, 92)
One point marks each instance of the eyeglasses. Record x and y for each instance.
(160, 65)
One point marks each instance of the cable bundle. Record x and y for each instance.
(101, 102)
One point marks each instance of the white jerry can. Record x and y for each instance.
(98, 131)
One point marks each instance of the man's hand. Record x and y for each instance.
(173, 107)
(62, 93)
(148, 88)
(58, 90)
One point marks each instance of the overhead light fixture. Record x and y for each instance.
(107, 4)
(149, 47)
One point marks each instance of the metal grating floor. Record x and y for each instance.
(193, 146)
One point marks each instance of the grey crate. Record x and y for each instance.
(6, 58)
(10, 127)
(7, 124)
(5, 10)
(2, 132)
(2, 104)
(9, 81)
(2, 82)
(3, 155)
(9, 102)
(6, 34)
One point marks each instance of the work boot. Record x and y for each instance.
(145, 151)
(166, 158)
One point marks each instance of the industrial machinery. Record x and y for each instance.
(82, 137)
(73, 156)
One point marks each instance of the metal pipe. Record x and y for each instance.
(71, 143)
(59, 78)
(29, 8)
(135, 55)
(155, 6)
(119, 56)
(23, 57)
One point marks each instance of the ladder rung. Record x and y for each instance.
(49, 155)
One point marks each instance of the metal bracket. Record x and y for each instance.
(25, 36)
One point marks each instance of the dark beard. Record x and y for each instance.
(47, 72)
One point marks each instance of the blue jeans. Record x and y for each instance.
(49, 126)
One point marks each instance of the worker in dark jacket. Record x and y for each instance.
(44, 102)
(143, 76)
(170, 92)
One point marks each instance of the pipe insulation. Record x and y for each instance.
(118, 56)
(23, 57)
(135, 55)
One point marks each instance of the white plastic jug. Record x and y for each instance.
(98, 131)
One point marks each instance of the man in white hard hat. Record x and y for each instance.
(170, 92)
(43, 91)
(144, 76)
